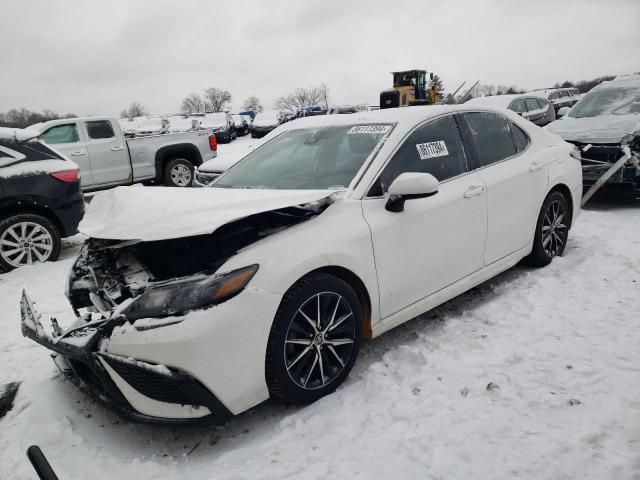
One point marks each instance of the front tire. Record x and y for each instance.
(552, 230)
(26, 239)
(178, 173)
(314, 339)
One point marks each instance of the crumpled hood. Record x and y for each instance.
(601, 129)
(148, 214)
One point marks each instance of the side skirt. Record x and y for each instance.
(449, 292)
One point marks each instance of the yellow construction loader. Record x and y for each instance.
(409, 89)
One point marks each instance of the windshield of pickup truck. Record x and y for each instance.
(307, 159)
(608, 101)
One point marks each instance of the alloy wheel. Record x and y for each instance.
(320, 340)
(25, 243)
(181, 175)
(554, 230)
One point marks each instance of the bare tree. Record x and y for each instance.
(216, 99)
(192, 103)
(303, 98)
(136, 109)
(124, 113)
(21, 118)
(253, 103)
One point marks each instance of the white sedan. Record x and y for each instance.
(201, 303)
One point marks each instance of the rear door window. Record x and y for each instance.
(67, 133)
(491, 137)
(532, 104)
(435, 147)
(99, 129)
(543, 105)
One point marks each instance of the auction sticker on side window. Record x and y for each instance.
(369, 129)
(432, 149)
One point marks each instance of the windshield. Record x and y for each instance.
(608, 101)
(307, 159)
(266, 118)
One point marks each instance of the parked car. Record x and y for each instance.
(559, 97)
(212, 169)
(333, 230)
(341, 109)
(531, 107)
(106, 158)
(179, 123)
(40, 199)
(152, 126)
(605, 125)
(241, 124)
(264, 122)
(221, 124)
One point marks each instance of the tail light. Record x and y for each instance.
(67, 176)
(213, 143)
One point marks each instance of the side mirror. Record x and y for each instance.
(410, 185)
(563, 111)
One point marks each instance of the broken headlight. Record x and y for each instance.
(180, 296)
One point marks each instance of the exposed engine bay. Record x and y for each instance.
(134, 279)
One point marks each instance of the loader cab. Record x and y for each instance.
(409, 88)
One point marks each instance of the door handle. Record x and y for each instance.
(474, 191)
(117, 148)
(535, 166)
(75, 154)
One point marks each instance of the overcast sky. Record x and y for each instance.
(92, 57)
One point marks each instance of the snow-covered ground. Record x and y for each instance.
(560, 347)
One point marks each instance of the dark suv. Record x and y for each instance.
(40, 199)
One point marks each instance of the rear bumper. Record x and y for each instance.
(70, 211)
(133, 389)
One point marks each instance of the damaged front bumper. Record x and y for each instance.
(121, 383)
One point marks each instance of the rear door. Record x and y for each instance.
(68, 138)
(435, 241)
(535, 113)
(515, 173)
(108, 153)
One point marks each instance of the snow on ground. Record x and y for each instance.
(560, 345)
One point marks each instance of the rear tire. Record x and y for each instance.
(178, 173)
(552, 230)
(309, 358)
(27, 238)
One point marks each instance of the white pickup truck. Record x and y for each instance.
(106, 158)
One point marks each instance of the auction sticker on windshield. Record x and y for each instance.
(432, 149)
(369, 129)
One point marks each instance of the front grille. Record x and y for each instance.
(152, 384)
(603, 152)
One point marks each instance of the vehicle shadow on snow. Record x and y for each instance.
(259, 423)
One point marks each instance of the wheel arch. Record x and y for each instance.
(360, 288)
(181, 150)
(566, 192)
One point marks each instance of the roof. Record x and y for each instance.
(406, 117)
(502, 100)
(41, 126)
(18, 134)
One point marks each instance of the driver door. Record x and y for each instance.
(435, 241)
